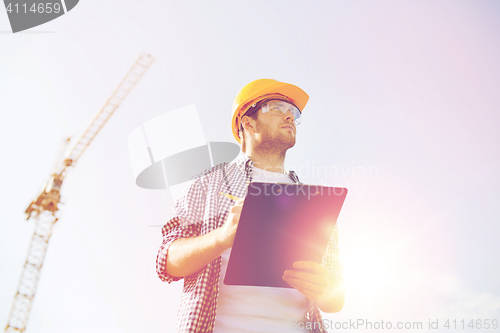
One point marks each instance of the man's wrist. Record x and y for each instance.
(333, 301)
(220, 241)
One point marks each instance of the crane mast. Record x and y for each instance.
(43, 209)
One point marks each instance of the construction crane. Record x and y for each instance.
(44, 208)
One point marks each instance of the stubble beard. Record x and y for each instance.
(276, 143)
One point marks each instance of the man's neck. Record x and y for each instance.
(268, 162)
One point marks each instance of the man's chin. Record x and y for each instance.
(288, 143)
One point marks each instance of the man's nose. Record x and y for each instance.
(288, 114)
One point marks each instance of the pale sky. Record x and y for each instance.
(403, 112)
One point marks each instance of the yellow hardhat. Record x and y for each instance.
(259, 90)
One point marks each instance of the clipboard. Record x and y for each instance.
(281, 224)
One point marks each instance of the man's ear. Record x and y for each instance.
(248, 124)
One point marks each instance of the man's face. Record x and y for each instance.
(275, 130)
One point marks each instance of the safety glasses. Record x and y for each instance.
(282, 107)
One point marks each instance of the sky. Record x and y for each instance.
(403, 112)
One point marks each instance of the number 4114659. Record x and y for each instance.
(477, 324)
(35, 8)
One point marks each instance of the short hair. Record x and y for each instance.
(253, 114)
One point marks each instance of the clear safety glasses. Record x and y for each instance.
(282, 107)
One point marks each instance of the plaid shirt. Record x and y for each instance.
(198, 211)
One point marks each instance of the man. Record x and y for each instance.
(197, 239)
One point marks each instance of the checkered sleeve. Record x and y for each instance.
(331, 259)
(171, 232)
(184, 222)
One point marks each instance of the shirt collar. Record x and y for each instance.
(245, 164)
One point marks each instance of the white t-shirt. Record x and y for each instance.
(258, 309)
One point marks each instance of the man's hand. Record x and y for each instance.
(228, 230)
(312, 280)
